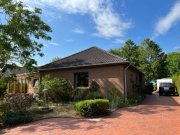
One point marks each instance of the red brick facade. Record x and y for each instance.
(106, 76)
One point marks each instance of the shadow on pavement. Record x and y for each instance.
(58, 124)
(152, 104)
(155, 99)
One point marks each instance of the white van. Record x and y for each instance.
(163, 80)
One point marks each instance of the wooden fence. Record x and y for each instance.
(18, 86)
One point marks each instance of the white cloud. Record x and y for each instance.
(50, 15)
(119, 41)
(78, 31)
(177, 49)
(53, 43)
(69, 40)
(46, 45)
(107, 22)
(168, 21)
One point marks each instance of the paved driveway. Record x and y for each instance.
(155, 116)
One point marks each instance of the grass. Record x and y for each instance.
(66, 109)
(59, 110)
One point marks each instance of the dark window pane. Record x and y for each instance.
(35, 83)
(81, 79)
(166, 84)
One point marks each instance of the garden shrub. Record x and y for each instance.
(94, 86)
(133, 100)
(176, 81)
(80, 94)
(13, 118)
(115, 97)
(94, 107)
(58, 89)
(3, 86)
(94, 91)
(19, 101)
(94, 95)
(40, 102)
(4, 108)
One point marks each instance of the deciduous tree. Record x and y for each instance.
(152, 60)
(55, 59)
(20, 32)
(128, 51)
(173, 63)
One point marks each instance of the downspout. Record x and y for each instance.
(125, 82)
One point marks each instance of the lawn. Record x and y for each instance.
(59, 110)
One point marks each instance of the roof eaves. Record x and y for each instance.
(112, 63)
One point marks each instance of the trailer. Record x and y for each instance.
(163, 80)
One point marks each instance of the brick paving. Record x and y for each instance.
(154, 116)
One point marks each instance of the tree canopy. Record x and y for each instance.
(55, 59)
(152, 60)
(20, 33)
(129, 51)
(148, 57)
(173, 63)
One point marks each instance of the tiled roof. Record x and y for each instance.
(9, 72)
(89, 57)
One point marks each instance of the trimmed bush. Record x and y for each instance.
(94, 107)
(13, 118)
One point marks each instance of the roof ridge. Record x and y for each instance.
(70, 55)
(111, 53)
(86, 50)
(78, 52)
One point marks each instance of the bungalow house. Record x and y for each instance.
(80, 69)
(95, 64)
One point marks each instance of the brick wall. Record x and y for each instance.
(105, 76)
(134, 80)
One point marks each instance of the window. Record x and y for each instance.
(81, 79)
(35, 83)
(166, 84)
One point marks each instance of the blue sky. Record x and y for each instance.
(80, 24)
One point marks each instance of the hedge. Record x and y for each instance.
(13, 118)
(176, 80)
(94, 107)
